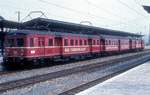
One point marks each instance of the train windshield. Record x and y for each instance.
(20, 42)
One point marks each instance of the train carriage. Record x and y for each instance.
(75, 44)
(94, 44)
(124, 44)
(26, 45)
(38, 47)
(111, 43)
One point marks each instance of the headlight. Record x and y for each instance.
(32, 51)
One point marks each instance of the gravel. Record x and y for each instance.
(133, 82)
(56, 86)
(30, 73)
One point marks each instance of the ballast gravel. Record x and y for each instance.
(41, 71)
(59, 85)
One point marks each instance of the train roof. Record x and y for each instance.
(59, 34)
(42, 32)
(42, 23)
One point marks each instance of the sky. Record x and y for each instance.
(124, 15)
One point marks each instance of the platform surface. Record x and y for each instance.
(135, 81)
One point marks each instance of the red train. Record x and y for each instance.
(38, 47)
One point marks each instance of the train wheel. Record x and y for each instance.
(35, 62)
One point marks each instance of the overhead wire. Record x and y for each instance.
(76, 11)
(81, 12)
(103, 9)
(121, 22)
(144, 16)
(131, 8)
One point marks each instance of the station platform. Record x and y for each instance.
(135, 81)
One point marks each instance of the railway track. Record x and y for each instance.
(6, 72)
(100, 80)
(40, 78)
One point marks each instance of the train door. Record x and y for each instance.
(90, 45)
(58, 44)
(41, 43)
(102, 45)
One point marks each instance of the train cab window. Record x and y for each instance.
(76, 42)
(20, 42)
(71, 42)
(50, 42)
(31, 42)
(80, 42)
(66, 42)
(11, 42)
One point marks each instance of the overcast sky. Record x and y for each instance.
(126, 15)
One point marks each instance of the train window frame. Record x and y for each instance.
(85, 42)
(106, 42)
(65, 42)
(109, 42)
(72, 42)
(94, 42)
(76, 42)
(31, 42)
(41, 42)
(97, 42)
(20, 42)
(50, 42)
(81, 43)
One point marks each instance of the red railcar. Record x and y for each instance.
(74, 44)
(24, 46)
(111, 43)
(139, 44)
(124, 44)
(132, 44)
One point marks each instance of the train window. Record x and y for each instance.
(109, 42)
(71, 42)
(80, 42)
(66, 42)
(41, 42)
(31, 42)
(11, 42)
(106, 42)
(93, 42)
(76, 43)
(85, 42)
(50, 42)
(97, 42)
(114, 43)
(20, 42)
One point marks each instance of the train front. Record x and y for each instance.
(15, 50)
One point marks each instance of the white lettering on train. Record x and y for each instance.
(74, 49)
